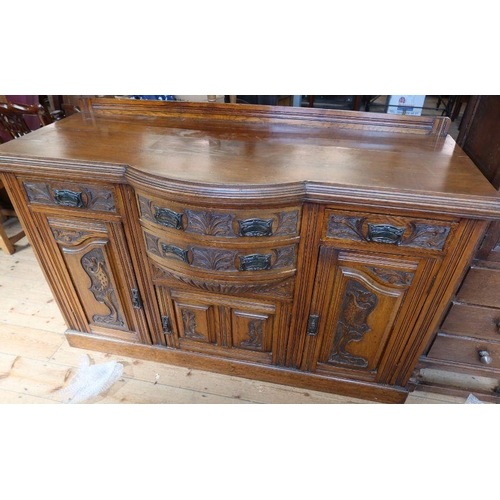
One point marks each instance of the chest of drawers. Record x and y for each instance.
(464, 356)
(299, 246)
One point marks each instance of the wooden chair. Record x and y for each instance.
(13, 124)
(7, 241)
(12, 118)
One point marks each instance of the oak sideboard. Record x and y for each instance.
(307, 247)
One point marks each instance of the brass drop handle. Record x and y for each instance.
(484, 357)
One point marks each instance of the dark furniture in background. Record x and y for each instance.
(269, 100)
(8, 215)
(467, 346)
(350, 102)
(16, 120)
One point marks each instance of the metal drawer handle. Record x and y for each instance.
(68, 198)
(176, 251)
(255, 227)
(168, 218)
(255, 262)
(484, 357)
(385, 233)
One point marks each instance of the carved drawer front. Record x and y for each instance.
(473, 321)
(220, 326)
(178, 254)
(97, 263)
(473, 352)
(386, 231)
(70, 195)
(360, 319)
(279, 288)
(220, 223)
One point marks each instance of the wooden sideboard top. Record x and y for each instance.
(248, 152)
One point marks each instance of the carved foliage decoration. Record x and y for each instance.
(357, 304)
(427, 236)
(210, 224)
(39, 192)
(282, 288)
(189, 321)
(285, 257)
(417, 235)
(213, 259)
(255, 334)
(146, 208)
(286, 223)
(392, 276)
(69, 236)
(345, 227)
(153, 244)
(94, 264)
(78, 196)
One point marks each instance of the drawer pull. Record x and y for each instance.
(67, 198)
(385, 233)
(168, 218)
(484, 357)
(176, 251)
(255, 227)
(255, 262)
(498, 327)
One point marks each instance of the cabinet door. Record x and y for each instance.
(224, 326)
(364, 305)
(96, 263)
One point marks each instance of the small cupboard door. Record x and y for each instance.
(224, 326)
(364, 305)
(98, 267)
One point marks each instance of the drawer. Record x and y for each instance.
(481, 287)
(222, 259)
(473, 321)
(386, 230)
(280, 287)
(473, 352)
(220, 223)
(70, 195)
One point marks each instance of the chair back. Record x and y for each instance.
(12, 118)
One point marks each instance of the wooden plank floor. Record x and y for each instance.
(36, 361)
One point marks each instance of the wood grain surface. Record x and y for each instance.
(310, 248)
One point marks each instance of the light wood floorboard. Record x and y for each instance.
(36, 361)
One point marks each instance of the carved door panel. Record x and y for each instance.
(363, 309)
(98, 265)
(217, 325)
